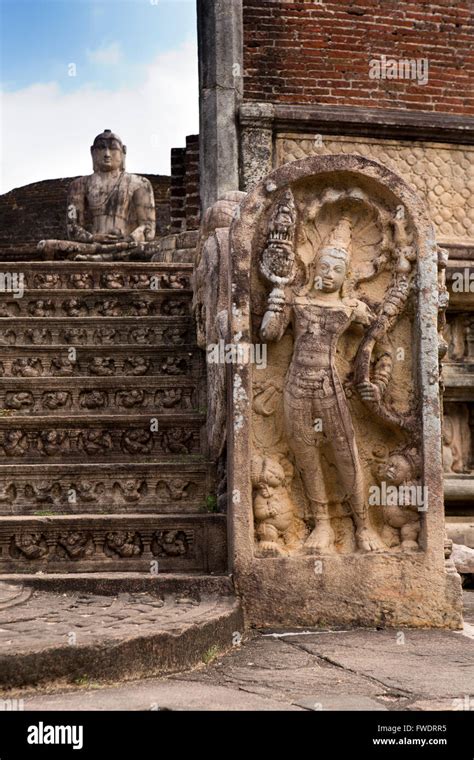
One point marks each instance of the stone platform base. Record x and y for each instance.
(411, 589)
(75, 636)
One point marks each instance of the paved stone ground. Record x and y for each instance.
(317, 670)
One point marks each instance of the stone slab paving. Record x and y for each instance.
(363, 669)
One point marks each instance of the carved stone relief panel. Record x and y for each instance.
(335, 458)
(442, 174)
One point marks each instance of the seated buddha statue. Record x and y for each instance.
(110, 213)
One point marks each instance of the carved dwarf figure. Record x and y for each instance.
(75, 307)
(27, 367)
(124, 543)
(30, 545)
(82, 281)
(137, 365)
(15, 443)
(102, 366)
(402, 519)
(19, 400)
(75, 545)
(278, 528)
(63, 367)
(53, 442)
(170, 543)
(130, 490)
(137, 442)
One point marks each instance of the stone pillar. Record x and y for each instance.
(256, 142)
(220, 90)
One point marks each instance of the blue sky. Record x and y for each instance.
(131, 63)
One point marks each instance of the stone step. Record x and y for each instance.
(108, 438)
(190, 585)
(93, 303)
(98, 331)
(101, 361)
(144, 627)
(99, 395)
(153, 544)
(77, 276)
(183, 485)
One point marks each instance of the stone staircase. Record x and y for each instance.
(103, 465)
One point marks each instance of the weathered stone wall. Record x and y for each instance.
(319, 52)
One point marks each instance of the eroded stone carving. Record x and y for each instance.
(174, 365)
(336, 269)
(27, 367)
(173, 488)
(15, 443)
(177, 441)
(456, 438)
(111, 213)
(398, 471)
(279, 529)
(171, 543)
(173, 398)
(62, 367)
(123, 543)
(137, 442)
(317, 416)
(137, 366)
(75, 545)
(131, 490)
(102, 366)
(23, 399)
(30, 546)
(210, 304)
(56, 399)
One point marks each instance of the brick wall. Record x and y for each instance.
(192, 182)
(319, 52)
(184, 193)
(178, 190)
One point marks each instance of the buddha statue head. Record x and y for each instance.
(108, 152)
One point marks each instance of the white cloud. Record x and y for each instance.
(46, 133)
(108, 56)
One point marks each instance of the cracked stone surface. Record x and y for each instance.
(316, 670)
(36, 620)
